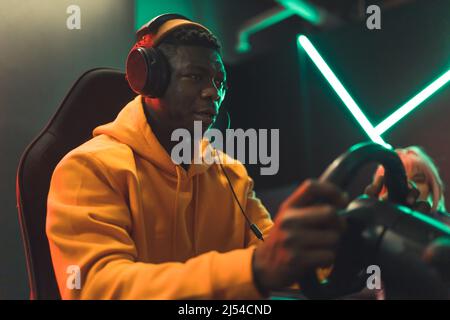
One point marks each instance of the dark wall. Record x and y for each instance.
(264, 93)
(381, 69)
(40, 59)
(223, 17)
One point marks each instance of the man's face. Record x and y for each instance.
(196, 88)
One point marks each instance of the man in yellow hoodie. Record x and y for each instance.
(139, 226)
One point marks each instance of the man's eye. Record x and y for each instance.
(195, 77)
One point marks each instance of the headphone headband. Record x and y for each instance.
(158, 28)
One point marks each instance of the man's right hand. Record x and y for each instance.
(304, 237)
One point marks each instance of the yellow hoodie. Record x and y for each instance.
(140, 227)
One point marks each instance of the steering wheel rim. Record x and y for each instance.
(340, 172)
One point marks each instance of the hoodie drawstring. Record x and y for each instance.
(194, 235)
(175, 217)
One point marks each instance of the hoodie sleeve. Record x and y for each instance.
(89, 228)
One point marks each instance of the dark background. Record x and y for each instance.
(273, 86)
(39, 61)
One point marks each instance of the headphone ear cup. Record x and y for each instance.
(159, 74)
(136, 70)
(147, 72)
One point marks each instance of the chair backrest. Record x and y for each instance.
(95, 98)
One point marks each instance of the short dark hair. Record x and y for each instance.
(188, 36)
(192, 36)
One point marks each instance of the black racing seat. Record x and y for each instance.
(95, 98)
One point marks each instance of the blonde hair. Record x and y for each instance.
(414, 157)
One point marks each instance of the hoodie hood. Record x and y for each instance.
(131, 128)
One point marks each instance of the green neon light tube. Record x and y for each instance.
(413, 103)
(340, 90)
(304, 9)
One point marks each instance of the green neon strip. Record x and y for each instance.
(433, 222)
(341, 91)
(304, 10)
(409, 106)
(244, 44)
(299, 7)
(269, 21)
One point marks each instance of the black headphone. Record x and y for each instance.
(147, 69)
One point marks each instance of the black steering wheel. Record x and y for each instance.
(359, 244)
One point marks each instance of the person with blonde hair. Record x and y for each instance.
(423, 175)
